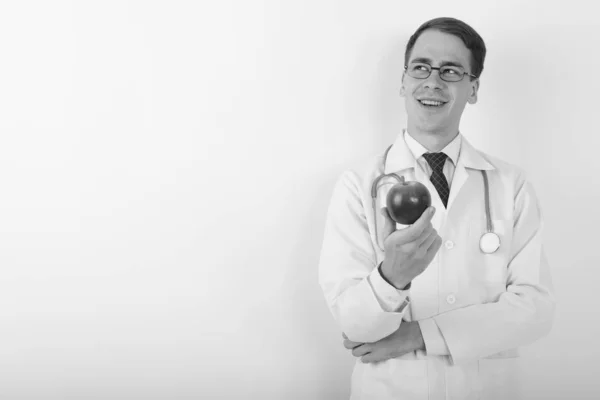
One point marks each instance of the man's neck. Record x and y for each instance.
(433, 141)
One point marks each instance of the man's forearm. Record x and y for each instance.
(346, 265)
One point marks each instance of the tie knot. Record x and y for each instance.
(436, 160)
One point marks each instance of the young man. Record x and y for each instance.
(430, 310)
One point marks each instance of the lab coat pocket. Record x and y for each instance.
(499, 379)
(395, 379)
(489, 268)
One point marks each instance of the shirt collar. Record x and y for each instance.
(401, 157)
(452, 149)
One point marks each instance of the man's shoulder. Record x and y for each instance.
(506, 170)
(367, 164)
(362, 170)
(364, 167)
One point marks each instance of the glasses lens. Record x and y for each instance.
(451, 74)
(419, 71)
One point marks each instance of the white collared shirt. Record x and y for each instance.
(452, 150)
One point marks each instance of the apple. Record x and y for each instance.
(407, 200)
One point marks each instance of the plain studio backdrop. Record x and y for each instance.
(166, 168)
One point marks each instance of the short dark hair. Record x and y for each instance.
(458, 28)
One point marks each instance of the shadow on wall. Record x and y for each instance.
(515, 106)
(389, 105)
(303, 329)
(292, 331)
(317, 350)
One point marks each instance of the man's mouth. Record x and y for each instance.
(431, 103)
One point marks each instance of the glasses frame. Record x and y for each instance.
(439, 74)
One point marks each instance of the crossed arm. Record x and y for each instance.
(406, 339)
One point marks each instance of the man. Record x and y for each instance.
(428, 313)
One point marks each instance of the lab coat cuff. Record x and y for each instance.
(363, 319)
(435, 344)
(390, 299)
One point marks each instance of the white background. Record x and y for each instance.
(165, 169)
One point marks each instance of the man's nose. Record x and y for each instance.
(434, 81)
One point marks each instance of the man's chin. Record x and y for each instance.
(431, 124)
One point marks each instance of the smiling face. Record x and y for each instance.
(434, 106)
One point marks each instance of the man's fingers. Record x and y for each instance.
(373, 358)
(389, 225)
(360, 350)
(369, 358)
(435, 246)
(349, 344)
(414, 231)
(428, 240)
(427, 232)
(425, 218)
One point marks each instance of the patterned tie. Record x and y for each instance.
(436, 162)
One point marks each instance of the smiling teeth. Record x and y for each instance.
(431, 103)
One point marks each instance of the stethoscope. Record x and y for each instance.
(488, 243)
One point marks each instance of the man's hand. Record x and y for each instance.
(406, 339)
(408, 251)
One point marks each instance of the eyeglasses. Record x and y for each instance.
(447, 73)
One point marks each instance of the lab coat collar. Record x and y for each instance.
(452, 149)
(400, 157)
(472, 158)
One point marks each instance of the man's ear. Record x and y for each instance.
(402, 90)
(474, 89)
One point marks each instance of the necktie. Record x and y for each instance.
(436, 162)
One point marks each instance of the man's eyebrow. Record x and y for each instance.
(425, 60)
(422, 60)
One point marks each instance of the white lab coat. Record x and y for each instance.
(474, 310)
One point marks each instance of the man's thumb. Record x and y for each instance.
(390, 225)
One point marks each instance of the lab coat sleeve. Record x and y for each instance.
(522, 314)
(347, 269)
(389, 298)
(435, 345)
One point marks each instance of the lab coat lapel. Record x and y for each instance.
(399, 157)
(460, 177)
(472, 158)
(401, 160)
(470, 162)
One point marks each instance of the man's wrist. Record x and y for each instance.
(406, 287)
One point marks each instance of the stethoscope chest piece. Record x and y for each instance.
(489, 242)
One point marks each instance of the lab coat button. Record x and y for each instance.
(449, 244)
(451, 299)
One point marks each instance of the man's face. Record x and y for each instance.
(438, 49)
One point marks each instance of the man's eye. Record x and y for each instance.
(450, 71)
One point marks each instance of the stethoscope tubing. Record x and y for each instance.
(483, 242)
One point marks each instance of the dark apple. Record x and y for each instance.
(407, 200)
